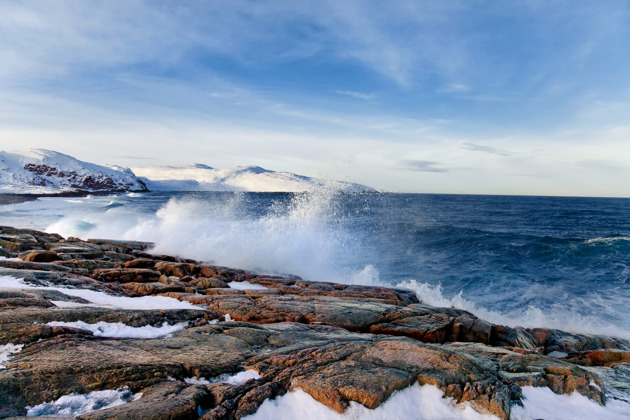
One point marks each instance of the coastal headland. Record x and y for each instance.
(339, 343)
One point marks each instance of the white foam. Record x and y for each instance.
(120, 330)
(300, 237)
(416, 402)
(232, 379)
(369, 276)
(9, 259)
(542, 403)
(532, 317)
(195, 381)
(608, 240)
(245, 285)
(7, 351)
(76, 404)
(102, 299)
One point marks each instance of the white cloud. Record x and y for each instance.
(357, 95)
(454, 88)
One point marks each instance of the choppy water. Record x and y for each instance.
(531, 261)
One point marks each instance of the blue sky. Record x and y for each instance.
(481, 97)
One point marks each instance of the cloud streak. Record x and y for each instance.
(486, 149)
(421, 166)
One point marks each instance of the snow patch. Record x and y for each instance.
(102, 299)
(416, 402)
(245, 285)
(120, 330)
(76, 404)
(7, 351)
(541, 403)
(232, 379)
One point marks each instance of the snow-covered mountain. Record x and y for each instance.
(40, 171)
(200, 177)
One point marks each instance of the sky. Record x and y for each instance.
(466, 97)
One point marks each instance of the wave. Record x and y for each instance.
(561, 316)
(510, 279)
(300, 237)
(608, 240)
(113, 205)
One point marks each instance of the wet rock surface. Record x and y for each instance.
(339, 343)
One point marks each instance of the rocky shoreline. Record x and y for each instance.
(339, 343)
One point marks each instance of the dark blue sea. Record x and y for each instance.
(531, 261)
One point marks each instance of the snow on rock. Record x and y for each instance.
(6, 351)
(102, 299)
(120, 330)
(232, 379)
(40, 171)
(416, 402)
(76, 404)
(200, 177)
(245, 285)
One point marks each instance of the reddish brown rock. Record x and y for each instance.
(126, 275)
(40, 256)
(175, 269)
(608, 357)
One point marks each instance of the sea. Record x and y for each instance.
(555, 262)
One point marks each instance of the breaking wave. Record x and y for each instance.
(510, 260)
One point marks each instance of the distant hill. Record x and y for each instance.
(40, 171)
(200, 177)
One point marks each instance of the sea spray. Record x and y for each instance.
(530, 261)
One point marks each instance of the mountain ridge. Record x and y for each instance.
(47, 172)
(252, 178)
(42, 171)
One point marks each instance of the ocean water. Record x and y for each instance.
(530, 261)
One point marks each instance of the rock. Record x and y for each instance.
(514, 337)
(165, 400)
(139, 263)
(208, 283)
(126, 275)
(606, 358)
(175, 269)
(29, 265)
(137, 245)
(40, 256)
(339, 343)
(144, 289)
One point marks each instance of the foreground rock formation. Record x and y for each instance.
(339, 343)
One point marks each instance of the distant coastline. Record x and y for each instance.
(6, 198)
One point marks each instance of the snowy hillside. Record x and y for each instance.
(39, 171)
(241, 178)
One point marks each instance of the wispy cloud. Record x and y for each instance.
(421, 166)
(454, 88)
(485, 149)
(358, 95)
(482, 98)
